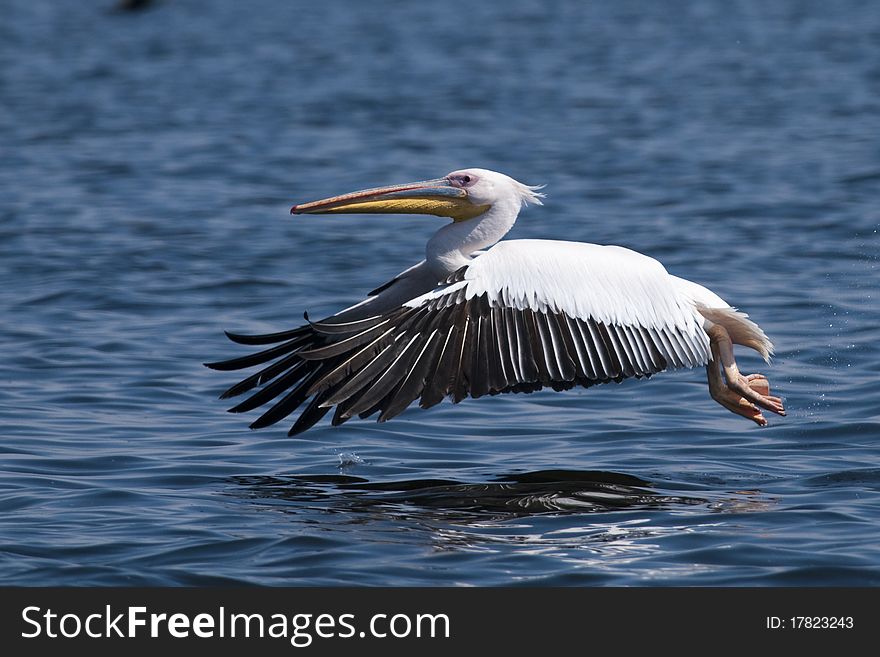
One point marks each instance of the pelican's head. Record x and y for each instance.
(461, 195)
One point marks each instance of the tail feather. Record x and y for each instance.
(742, 330)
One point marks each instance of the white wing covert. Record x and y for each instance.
(525, 315)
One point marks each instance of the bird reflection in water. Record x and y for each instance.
(544, 491)
(520, 509)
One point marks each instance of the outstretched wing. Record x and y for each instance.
(525, 315)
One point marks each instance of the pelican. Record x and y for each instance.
(479, 316)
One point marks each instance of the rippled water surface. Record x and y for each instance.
(148, 163)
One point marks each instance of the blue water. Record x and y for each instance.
(148, 163)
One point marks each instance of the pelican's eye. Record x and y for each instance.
(462, 179)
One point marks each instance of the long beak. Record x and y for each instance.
(438, 197)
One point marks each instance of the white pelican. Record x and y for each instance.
(480, 317)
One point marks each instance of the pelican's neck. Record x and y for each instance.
(451, 247)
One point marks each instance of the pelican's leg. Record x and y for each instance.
(729, 399)
(740, 394)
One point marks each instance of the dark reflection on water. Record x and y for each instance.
(544, 491)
